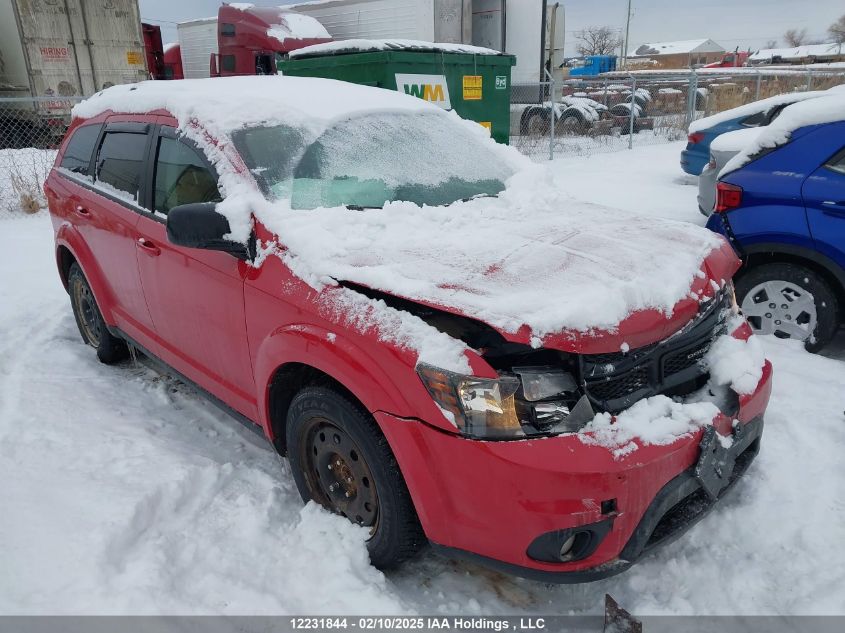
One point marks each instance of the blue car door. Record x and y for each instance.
(824, 199)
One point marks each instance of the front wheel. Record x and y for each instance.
(341, 460)
(789, 301)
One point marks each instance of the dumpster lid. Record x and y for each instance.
(364, 46)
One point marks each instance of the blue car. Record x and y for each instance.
(784, 213)
(695, 156)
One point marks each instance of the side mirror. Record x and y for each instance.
(198, 225)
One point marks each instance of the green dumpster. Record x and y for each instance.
(475, 84)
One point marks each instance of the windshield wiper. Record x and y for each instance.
(358, 207)
(479, 195)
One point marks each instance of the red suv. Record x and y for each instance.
(447, 348)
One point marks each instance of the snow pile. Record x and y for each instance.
(735, 140)
(656, 420)
(826, 109)
(735, 362)
(763, 105)
(589, 109)
(365, 46)
(531, 257)
(297, 26)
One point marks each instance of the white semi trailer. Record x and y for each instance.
(518, 27)
(52, 50)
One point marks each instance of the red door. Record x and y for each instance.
(195, 297)
(105, 212)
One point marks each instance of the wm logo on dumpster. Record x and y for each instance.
(432, 88)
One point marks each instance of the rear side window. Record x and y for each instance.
(181, 177)
(77, 156)
(837, 163)
(121, 161)
(755, 120)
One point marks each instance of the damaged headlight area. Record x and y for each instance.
(523, 402)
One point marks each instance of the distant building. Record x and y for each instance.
(681, 54)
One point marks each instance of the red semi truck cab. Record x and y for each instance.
(249, 39)
(731, 60)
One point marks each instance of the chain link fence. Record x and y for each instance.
(30, 130)
(617, 111)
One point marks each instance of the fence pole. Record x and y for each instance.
(809, 80)
(759, 81)
(551, 80)
(631, 117)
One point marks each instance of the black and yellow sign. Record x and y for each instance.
(133, 58)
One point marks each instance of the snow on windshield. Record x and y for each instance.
(423, 158)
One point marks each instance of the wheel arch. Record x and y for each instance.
(71, 249)
(299, 355)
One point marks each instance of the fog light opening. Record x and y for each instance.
(566, 548)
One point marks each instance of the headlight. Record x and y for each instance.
(541, 401)
(480, 407)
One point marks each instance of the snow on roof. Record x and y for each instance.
(360, 46)
(753, 108)
(827, 109)
(222, 104)
(297, 26)
(674, 48)
(735, 140)
(799, 52)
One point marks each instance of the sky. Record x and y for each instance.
(731, 23)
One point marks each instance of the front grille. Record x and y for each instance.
(615, 381)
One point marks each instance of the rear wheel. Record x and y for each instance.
(789, 301)
(341, 460)
(89, 319)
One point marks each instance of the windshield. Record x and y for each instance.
(366, 161)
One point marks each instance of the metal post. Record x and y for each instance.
(809, 79)
(631, 118)
(692, 95)
(759, 81)
(551, 81)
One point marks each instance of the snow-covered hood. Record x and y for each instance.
(535, 264)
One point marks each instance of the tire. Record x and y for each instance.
(89, 319)
(808, 298)
(535, 122)
(332, 441)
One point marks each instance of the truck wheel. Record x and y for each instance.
(535, 122)
(89, 319)
(341, 460)
(789, 301)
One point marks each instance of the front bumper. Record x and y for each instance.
(488, 501)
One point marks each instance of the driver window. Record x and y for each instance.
(181, 176)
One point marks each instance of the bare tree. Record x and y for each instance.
(837, 30)
(598, 40)
(771, 44)
(795, 37)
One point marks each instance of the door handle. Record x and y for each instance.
(148, 247)
(82, 210)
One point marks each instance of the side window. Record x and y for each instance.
(120, 163)
(77, 156)
(227, 63)
(755, 120)
(181, 177)
(837, 163)
(227, 30)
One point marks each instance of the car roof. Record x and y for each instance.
(223, 104)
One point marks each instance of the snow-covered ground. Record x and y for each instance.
(124, 492)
